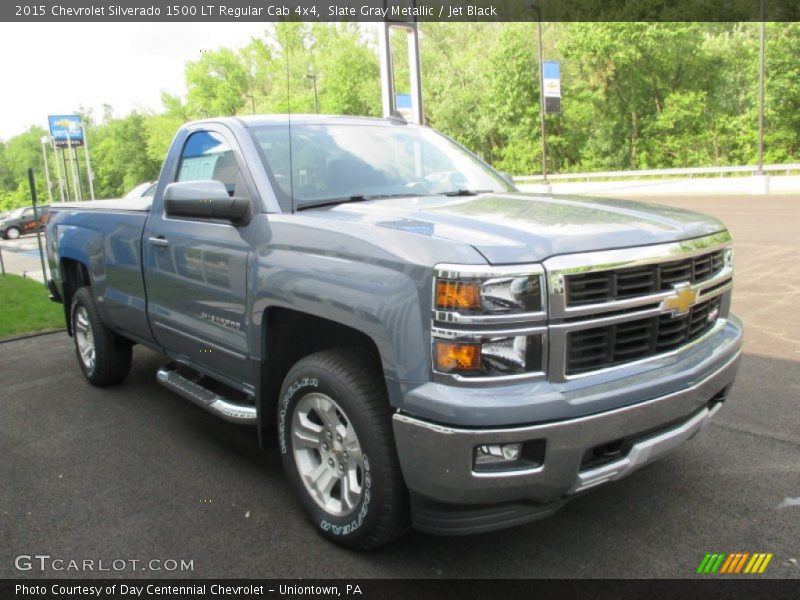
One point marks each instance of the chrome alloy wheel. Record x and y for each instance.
(327, 454)
(84, 337)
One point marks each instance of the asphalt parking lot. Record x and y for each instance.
(135, 472)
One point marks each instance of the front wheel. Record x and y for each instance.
(104, 356)
(337, 446)
(12, 233)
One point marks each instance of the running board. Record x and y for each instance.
(205, 398)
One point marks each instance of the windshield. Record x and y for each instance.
(336, 162)
(15, 214)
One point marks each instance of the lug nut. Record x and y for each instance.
(330, 462)
(328, 434)
(325, 446)
(341, 468)
(339, 438)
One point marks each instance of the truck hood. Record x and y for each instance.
(510, 228)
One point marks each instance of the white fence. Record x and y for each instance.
(688, 172)
(780, 179)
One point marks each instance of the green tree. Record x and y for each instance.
(218, 83)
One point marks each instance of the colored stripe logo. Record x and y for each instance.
(735, 563)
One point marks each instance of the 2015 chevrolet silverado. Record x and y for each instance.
(428, 346)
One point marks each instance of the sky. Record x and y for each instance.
(126, 65)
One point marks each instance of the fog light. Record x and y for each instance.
(499, 451)
(509, 457)
(497, 456)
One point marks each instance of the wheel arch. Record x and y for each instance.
(288, 335)
(74, 275)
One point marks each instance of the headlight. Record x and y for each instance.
(467, 300)
(488, 354)
(483, 294)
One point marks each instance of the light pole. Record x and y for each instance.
(313, 77)
(541, 90)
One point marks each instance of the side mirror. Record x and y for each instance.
(205, 200)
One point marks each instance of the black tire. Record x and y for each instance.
(12, 233)
(112, 353)
(351, 379)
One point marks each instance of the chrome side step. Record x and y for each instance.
(205, 398)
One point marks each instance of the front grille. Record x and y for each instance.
(611, 345)
(618, 284)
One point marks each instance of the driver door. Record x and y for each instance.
(196, 268)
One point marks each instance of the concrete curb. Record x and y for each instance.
(26, 336)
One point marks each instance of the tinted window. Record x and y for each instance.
(207, 156)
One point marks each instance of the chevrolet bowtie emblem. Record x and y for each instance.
(681, 301)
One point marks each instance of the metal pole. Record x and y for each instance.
(47, 170)
(58, 170)
(77, 172)
(414, 67)
(34, 198)
(541, 92)
(761, 53)
(66, 173)
(387, 75)
(89, 173)
(2, 264)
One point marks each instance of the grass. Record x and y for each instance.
(25, 307)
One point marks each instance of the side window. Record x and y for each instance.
(28, 213)
(207, 156)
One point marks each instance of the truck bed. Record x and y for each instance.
(106, 236)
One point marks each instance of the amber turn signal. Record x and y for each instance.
(457, 294)
(452, 356)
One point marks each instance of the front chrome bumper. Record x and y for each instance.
(437, 460)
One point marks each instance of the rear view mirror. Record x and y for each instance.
(205, 200)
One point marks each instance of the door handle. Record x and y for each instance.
(160, 241)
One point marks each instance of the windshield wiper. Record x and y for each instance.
(353, 198)
(463, 192)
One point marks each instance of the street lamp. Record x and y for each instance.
(313, 77)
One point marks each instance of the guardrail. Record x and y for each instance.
(687, 172)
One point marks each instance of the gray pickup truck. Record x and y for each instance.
(425, 345)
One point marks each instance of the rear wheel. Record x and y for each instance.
(104, 356)
(337, 446)
(12, 233)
